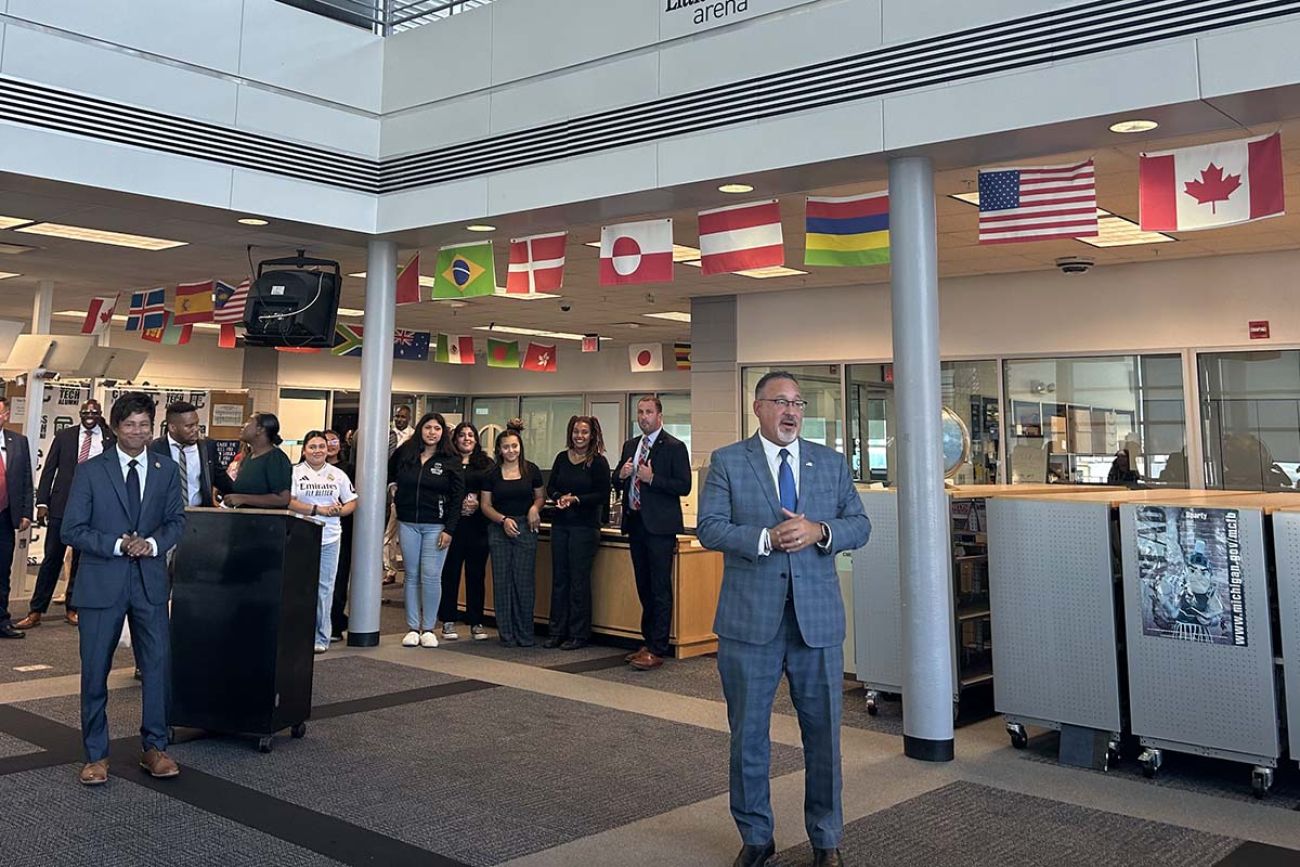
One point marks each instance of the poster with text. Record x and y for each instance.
(1190, 580)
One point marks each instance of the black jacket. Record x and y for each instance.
(60, 467)
(211, 473)
(661, 501)
(18, 477)
(429, 493)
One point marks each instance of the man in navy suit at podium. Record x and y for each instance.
(124, 513)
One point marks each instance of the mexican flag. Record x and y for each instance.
(454, 349)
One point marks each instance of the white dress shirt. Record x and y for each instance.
(142, 470)
(96, 440)
(193, 470)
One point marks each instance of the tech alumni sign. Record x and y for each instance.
(684, 17)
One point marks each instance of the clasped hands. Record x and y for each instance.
(794, 534)
(510, 526)
(643, 471)
(566, 500)
(135, 546)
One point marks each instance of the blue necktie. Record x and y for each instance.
(785, 482)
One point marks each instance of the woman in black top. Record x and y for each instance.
(579, 485)
(425, 481)
(469, 547)
(512, 500)
(265, 474)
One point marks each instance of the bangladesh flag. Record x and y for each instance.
(465, 271)
(503, 353)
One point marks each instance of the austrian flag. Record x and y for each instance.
(636, 253)
(536, 264)
(741, 237)
(1215, 185)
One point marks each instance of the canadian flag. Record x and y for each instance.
(636, 253)
(646, 357)
(100, 314)
(540, 357)
(536, 264)
(741, 237)
(1214, 185)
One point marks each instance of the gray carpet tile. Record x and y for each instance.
(345, 678)
(123, 711)
(12, 746)
(965, 824)
(53, 643)
(698, 678)
(1187, 772)
(487, 776)
(53, 821)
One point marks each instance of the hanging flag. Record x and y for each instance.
(465, 271)
(536, 264)
(347, 340)
(636, 253)
(741, 237)
(100, 314)
(411, 345)
(1038, 202)
(454, 349)
(646, 357)
(155, 309)
(136, 312)
(226, 338)
(1215, 185)
(193, 303)
(503, 353)
(591, 343)
(228, 302)
(168, 333)
(682, 351)
(540, 357)
(847, 230)
(408, 282)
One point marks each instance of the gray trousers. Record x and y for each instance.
(514, 582)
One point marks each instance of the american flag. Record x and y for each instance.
(1038, 202)
(228, 302)
(411, 345)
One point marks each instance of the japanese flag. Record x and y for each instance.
(1215, 185)
(636, 253)
(646, 357)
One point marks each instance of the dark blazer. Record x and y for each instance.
(61, 466)
(661, 501)
(18, 476)
(96, 518)
(211, 473)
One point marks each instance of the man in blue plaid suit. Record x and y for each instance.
(780, 508)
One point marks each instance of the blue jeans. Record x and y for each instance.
(329, 569)
(423, 561)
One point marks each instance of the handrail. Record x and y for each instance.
(386, 17)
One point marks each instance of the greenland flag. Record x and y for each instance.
(1215, 185)
(741, 237)
(636, 253)
(536, 264)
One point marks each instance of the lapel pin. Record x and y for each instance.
(809, 464)
(157, 466)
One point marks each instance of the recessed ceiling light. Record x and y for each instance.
(351, 311)
(5, 275)
(1113, 231)
(759, 273)
(252, 221)
(530, 332)
(518, 296)
(480, 227)
(100, 236)
(11, 222)
(15, 249)
(426, 282)
(626, 324)
(736, 188)
(1135, 125)
(674, 315)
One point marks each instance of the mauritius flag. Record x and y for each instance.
(847, 230)
(503, 353)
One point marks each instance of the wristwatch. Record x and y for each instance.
(313, 511)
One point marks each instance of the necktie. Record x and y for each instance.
(4, 482)
(185, 477)
(641, 454)
(84, 454)
(785, 482)
(133, 493)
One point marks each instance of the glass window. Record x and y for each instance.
(451, 408)
(1112, 419)
(1250, 403)
(820, 386)
(871, 422)
(970, 389)
(677, 419)
(546, 422)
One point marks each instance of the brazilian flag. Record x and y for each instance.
(464, 271)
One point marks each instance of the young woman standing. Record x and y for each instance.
(427, 489)
(512, 500)
(579, 485)
(469, 547)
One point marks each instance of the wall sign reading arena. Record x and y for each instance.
(684, 17)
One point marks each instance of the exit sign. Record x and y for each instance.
(1259, 329)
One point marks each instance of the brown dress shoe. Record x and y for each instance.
(158, 764)
(634, 654)
(94, 773)
(646, 661)
(72, 618)
(827, 858)
(31, 621)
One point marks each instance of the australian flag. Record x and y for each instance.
(411, 345)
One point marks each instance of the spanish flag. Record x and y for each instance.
(193, 303)
(847, 230)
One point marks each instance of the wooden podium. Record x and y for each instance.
(243, 620)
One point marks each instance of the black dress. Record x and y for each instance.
(468, 551)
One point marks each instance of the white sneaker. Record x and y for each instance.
(428, 639)
(478, 633)
(449, 631)
(411, 639)
(321, 648)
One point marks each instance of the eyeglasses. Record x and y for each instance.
(785, 403)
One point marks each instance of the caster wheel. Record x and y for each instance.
(299, 731)
(1150, 760)
(1019, 737)
(264, 745)
(1112, 756)
(1261, 780)
(873, 706)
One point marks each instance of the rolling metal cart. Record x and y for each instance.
(1286, 552)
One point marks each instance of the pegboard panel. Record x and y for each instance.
(1286, 547)
(1052, 597)
(877, 597)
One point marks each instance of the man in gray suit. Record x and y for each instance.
(780, 508)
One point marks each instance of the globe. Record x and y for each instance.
(956, 443)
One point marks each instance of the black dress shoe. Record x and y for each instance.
(8, 631)
(573, 644)
(754, 856)
(827, 858)
(553, 642)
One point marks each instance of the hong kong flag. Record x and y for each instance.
(1215, 185)
(636, 253)
(540, 357)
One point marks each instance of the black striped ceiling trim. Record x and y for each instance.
(1034, 40)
